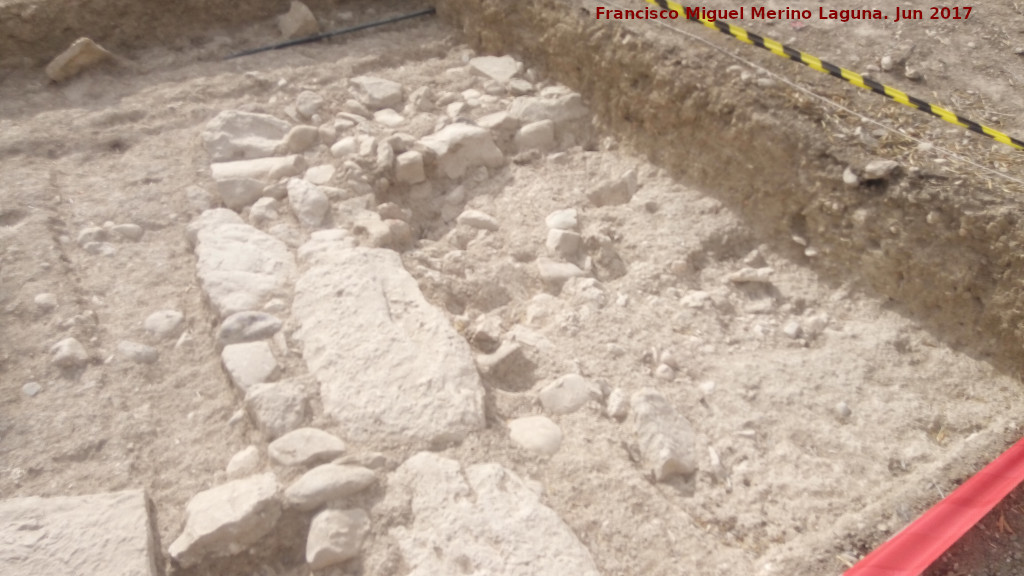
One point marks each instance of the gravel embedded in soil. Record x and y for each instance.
(823, 420)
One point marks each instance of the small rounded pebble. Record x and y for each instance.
(236, 417)
(371, 460)
(850, 177)
(537, 434)
(792, 329)
(138, 353)
(90, 235)
(128, 231)
(843, 411)
(32, 388)
(275, 306)
(305, 446)
(69, 353)
(308, 103)
(815, 324)
(100, 248)
(664, 372)
(618, 404)
(244, 463)
(164, 324)
(880, 169)
(46, 301)
(668, 359)
(321, 174)
(248, 326)
(562, 219)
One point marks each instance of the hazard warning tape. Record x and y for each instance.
(831, 69)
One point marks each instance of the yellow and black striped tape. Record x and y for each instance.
(842, 73)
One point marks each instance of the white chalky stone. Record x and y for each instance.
(249, 363)
(164, 324)
(477, 219)
(336, 536)
(614, 192)
(792, 329)
(244, 463)
(308, 103)
(557, 273)
(409, 167)
(45, 302)
(666, 438)
(304, 446)
(276, 407)
(271, 168)
(567, 394)
(308, 201)
(460, 147)
(618, 404)
(298, 22)
(389, 118)
(536, 136)
(880, 169)
(562, 219)
(226, 519)
(850, 177)
(69, 353)
(563, 243)
(537, 434)
(499, 68)
(248, 326)
(138, 353)
(377, 93)
(132, 232)
(236, 135)
(91, 234)
(300, 138)
(751, 275)
(326, 483)
(318, 175)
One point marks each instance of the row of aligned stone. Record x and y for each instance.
(384, 365)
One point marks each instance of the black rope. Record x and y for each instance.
(326, 35)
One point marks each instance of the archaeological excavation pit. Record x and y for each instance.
(505, 289)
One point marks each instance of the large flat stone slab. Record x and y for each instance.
(237, 135)
(482, 519)
(95, 535)
(239, 267)
(390, 366)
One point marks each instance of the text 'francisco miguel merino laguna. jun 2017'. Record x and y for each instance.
(896, 14)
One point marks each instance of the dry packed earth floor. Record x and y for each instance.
(804, 415)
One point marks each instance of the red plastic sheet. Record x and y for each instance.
(918, 545)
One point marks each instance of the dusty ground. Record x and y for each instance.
(800, 487)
